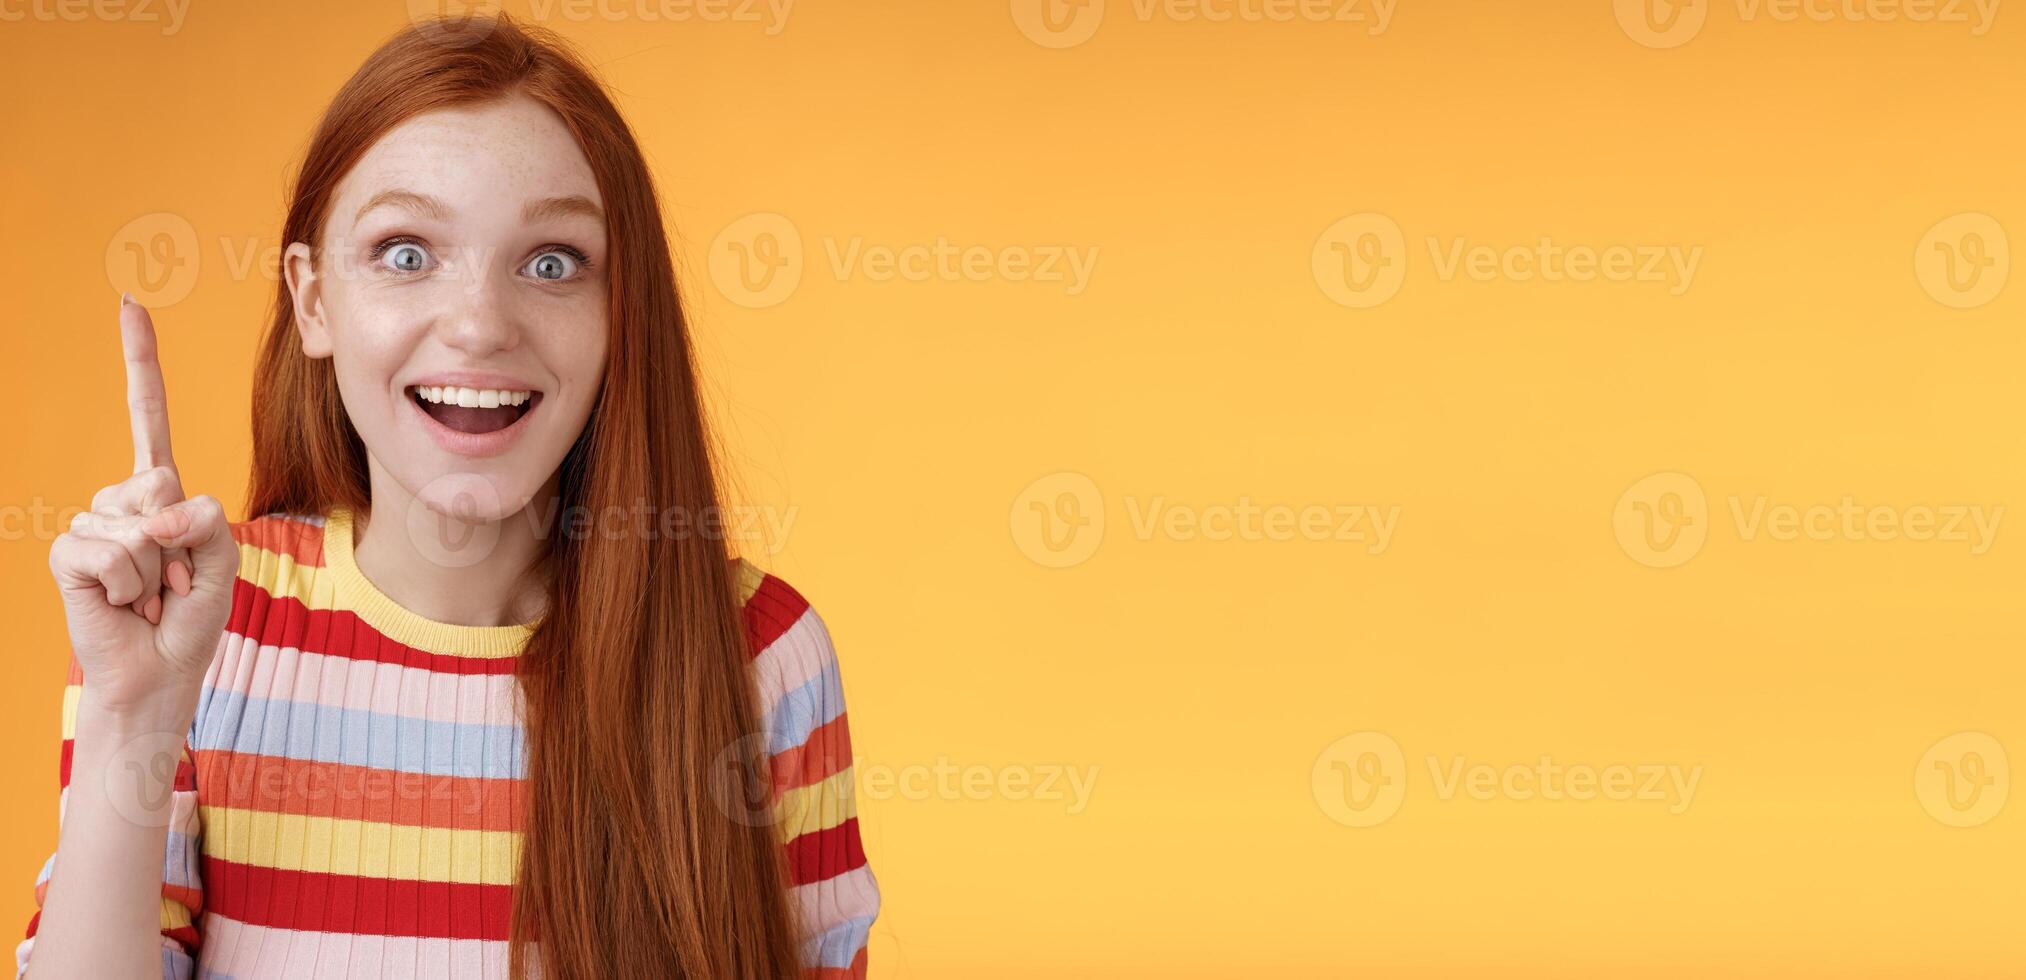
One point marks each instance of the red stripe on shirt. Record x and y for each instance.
(325, 902)
(271, 620)
(773, 608)
(822, 854)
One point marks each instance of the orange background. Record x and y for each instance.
(903, 425)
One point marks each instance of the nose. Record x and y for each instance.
(480, 319)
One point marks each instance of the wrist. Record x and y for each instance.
(124, 762)
(168, 713)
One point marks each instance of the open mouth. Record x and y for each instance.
(474, 410)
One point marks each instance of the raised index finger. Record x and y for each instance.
(147, 399)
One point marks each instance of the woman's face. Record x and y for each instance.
(460, 288)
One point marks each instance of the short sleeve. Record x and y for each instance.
(832, 890)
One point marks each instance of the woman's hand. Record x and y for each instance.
(147, 575)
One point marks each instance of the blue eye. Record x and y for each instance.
(553, 266)
(404, 257)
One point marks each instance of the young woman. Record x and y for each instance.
(436, 713)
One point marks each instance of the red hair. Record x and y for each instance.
(636, 682)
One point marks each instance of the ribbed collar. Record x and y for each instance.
(356, 592)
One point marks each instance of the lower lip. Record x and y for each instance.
(471, 443)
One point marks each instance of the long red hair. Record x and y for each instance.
(636, 682)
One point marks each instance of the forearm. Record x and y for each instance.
(101, 916)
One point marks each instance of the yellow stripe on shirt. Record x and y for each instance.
(330, 845)
(817, 806)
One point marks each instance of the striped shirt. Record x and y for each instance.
(349, 799)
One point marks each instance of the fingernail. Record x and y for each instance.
(153, 610)
(126, 299)
(179, 577)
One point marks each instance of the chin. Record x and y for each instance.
(472, 498)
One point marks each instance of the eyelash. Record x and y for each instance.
(583, 261)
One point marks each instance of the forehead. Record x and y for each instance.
(505, 152)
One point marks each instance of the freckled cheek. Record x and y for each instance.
(572, 346)
(371, 342)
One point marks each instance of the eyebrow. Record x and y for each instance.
(557, 207)
(429, 207)
(421, 204)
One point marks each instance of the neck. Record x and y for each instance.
(456, 570)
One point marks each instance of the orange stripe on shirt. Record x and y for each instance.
(827, 750)
(291, 538)
(272, 784)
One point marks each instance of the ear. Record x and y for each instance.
(298, 267)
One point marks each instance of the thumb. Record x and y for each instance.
(198, 524)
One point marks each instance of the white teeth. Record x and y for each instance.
(472, 397)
